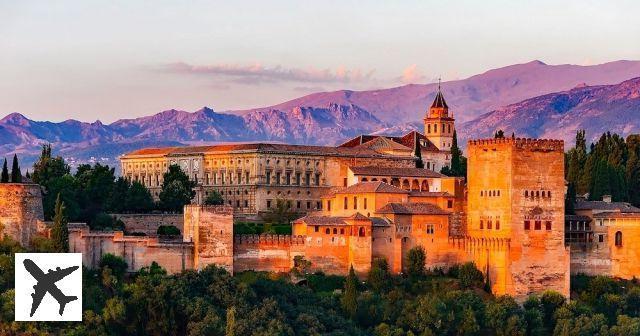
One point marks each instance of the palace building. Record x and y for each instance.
(251, 177)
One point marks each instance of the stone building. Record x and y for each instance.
(252, 176)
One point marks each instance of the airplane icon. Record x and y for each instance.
(46, 283)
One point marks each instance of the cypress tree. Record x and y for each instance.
(350, 298)
(60, 230)
(417, 152)
(4, 177)
(16, 175)
(569, 202)
(231, 322)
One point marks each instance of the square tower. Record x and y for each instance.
(516, 198)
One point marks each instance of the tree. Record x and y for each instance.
(499, 134)
(60, 231)
(168, 230)
(4, 177)
(379, 277)
(458, 161)
(16, 175)
(470, 276)
(94, 185)
(119, 192)
(48, 168)
(417, 151)
(570, 199)
(138, 198)
(177, 189)
(416, 258)
(214, 198)
(231, 322)
(281, 213)
(349, 299)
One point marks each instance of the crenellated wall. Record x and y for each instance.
(149, 223)
(271, 253)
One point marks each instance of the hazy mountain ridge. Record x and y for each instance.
(597, 109)
(331, 117)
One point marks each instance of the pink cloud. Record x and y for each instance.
(412, 74)
(257, 73)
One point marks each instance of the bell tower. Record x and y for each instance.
(438, 124)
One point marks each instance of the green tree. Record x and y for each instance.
(505, 316)
(349, 299)
(458, 161)
(231, 322)
(16, 175)
(379, 277)
(48, 168)
(416, 259)
(60, 231)
(94, 185)
(177, 190)
(417, 151)
(4, 177)
(168, 230)
(214, 198)
(138, 198)
(119, 192)
(570, 199)
(632, 169)
(281, 213)
(470, 276)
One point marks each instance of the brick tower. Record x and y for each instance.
(515, 219)
(438, 124)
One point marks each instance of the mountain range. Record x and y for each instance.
(531, 99)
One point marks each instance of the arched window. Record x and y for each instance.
(428, 128)
(327, 231)
(335, 231)
(618, 238)
(346, 203)
(361, 232)
(355, 202)
(364, 179)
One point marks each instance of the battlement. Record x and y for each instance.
(269, 239)
(218, 209)
(468, 242)
(521, 143)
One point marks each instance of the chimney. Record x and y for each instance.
(606, 198)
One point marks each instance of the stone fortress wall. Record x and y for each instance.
(149, 223)
(20, 210)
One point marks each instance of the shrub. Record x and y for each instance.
(168, 230)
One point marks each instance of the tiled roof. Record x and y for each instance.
(399, 172)
(617, 215)
(605, 206)
(371, 187)
(380, 222)
(331, 220)
(577, 218)
(412, 209)
(260, 148)
(430, 194)
(439, 101)
(407, 140)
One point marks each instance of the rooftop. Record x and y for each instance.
(411, 208)
(606, 206)
(337, 221)
(371, 187)
(399, 172)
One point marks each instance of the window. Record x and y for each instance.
(600, 238)
(327, 231)
(361, 232)
(315, 228)
(307, 179)
(430, 229)
(549, 193)
(538, 225)
(449, 204)
(268, 203)
(268, 177)
(318, 205)
(355, 202)
(308, 205)
(278, 175)
(429, 128)
(547, 225)
(298, 205)
(497, 224)
(489, 225)
(481, 193)
(527, 225)
(246, 177)
(344, 182)
(237, 203)
(341, 231)
(335, 231)
(298, 179)
(365, 203)
(449, 128)
(526, 193)
(246, 204)
(328, 205)
(481, 224)
(618, 239)
(435, 128)
(346, 203)
(288, 178)
(317, 179)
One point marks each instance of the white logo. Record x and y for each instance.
(48, 287)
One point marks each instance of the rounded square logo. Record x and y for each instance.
(48, 287)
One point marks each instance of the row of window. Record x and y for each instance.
(537, 193)
(490, 224)
(297, 179)
(361, 231)
(490, 193)
(444, 127)
(299, 204)
(537, 225)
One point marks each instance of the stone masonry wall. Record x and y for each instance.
(270, 253)
(149, 223)
(210, 228)
(20, 211)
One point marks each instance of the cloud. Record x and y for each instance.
(412, 74)
(258, 73)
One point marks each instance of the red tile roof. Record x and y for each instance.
(430, 194)
(412, 209)
(407, 140)
(371, 187)
(395, 172)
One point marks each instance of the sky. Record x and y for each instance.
(108, 60)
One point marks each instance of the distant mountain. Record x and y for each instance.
(331, 117)
(597, 109)
(473, 96)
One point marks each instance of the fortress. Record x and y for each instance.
(363, 200)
